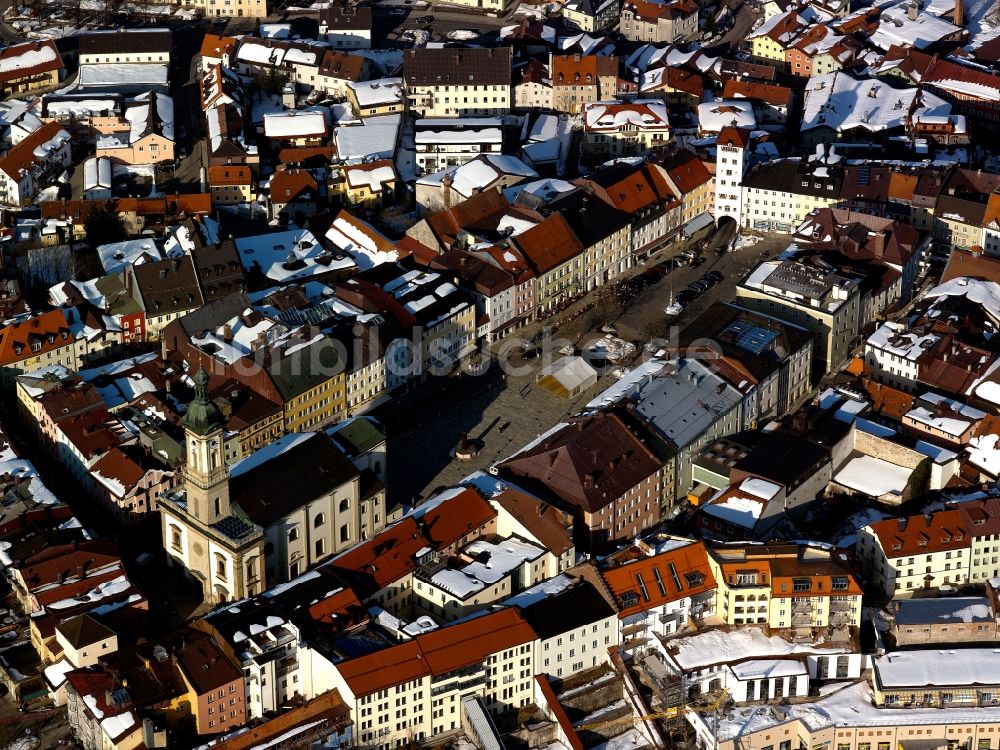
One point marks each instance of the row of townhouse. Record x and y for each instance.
(954, 546)
(122, 456)
(583, 234)
(956, 206)
(789, 42)
(57, 337)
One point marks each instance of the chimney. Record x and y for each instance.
(928, 517)
(912, 10)
(959, 14)
(107, 698)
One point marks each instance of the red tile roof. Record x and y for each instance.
(447, 522)
(924, 534)
(230, 174)
(289, 184)
(582, 70)
(548, 244)
(437, 652)
(693, 577)
(48, 330)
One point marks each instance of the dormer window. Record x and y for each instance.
(36, 345)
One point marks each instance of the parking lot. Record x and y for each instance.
(503, 411)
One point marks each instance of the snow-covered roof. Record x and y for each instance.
(714, 116)
(838, 101)
(759, 669)
(117, 256)
(895, 339)
(295, 124)
(640, 114)
(482, 172)
(680, 399)
(742, 504)
(30, 55)
(361, 241)
(983, 293)
(259, 52)
(58, 294)
(269, 452)
(375, 138)
(373, 179)
(873, 476)
(850, 707)
(430, 131)
(97, 173)
(290, 255)
(498, 560)
(377, 92)
(957, 420)
(965, 667)
(111, 76)
(984, 453)
(701, 650)
(896, 28)
(236, 338)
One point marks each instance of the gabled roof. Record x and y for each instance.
(133, 41)
(29, 59)
(167, 286)
(230, 174)
(327, 711)
(49, 331)
(116, 471)
(438, 652)
(582, 70)
(575, 607)
(653, 581)
(288, 185)
(548, 244)
(451, 66)
(448, 521)
(213, 45)
(687, 171)
(549, 525)
(923, 534)
(342, 65)
(206, 666)
(764, 92)
(346, 16)
(287, 474)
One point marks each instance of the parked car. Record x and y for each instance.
(425, 19)
(715, 276)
